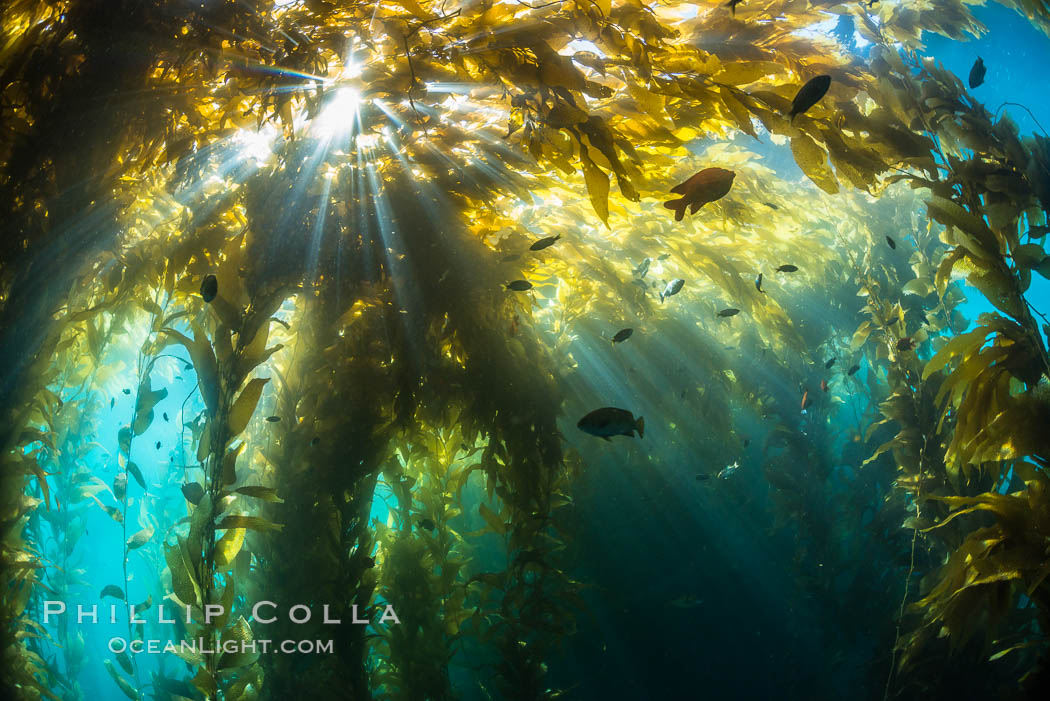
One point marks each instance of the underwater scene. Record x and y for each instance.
(522, 350)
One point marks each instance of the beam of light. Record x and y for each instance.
(256, 145)
(314, 252)
(340, 115)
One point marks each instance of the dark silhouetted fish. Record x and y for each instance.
(731, 311)
(673, 288)
(853, 370)
(787, 268)
(977, 73)
(622, 335)
(828, 364)
(209, 287)
(610, 421)
(891, 243)
(519, 285)
(809, 95)
(709, 185)
(758, 283)
(544, 243)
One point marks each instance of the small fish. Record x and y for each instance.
(622, 335)
(702, 477)
(209, 287)
(427, 524)
(673, 288)
(892, 244)
(544, 243)
(771, 205)
(977, 73)
(747, 442)
(273, 419)
(906, 344)
(732, 6)
(731, 311)
(610, 421)
(165, 416)
(126, 391)
(823, 385)
(758, 283)
(519, 285)
(809, 95)
(827, 365)
(787, 268)
(315, 440)
(193, 492)
(853, 370)
(663, 256)
(158, 445)
(510, 258)
(728, 471)
(643, 267)
(708, 185)
(806, 401)
(112, 401)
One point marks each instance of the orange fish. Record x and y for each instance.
(805, 400)
(823, 385)
(708, 185)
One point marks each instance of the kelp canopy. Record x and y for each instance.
(363, 181)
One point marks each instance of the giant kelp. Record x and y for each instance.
(402, 155)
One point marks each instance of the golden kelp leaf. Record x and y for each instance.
(141, 538)
(1029, 255)
(740, 113)
(597, 182)
(251, 522)
(226, 602)
(229, 464)
(244, 406)
(204, 364)
(205, 682)
(240, 631)
(147, 399)
(135, 472)
(979, 239)
(112, 590)
(813, 161)
(204, 444)
(742, 72)
(494, 521)
(199, 520)
(228, 546)
(919, 286)
(151, 307)
(860, 336)
(123, 683)
(145, 605)
(182, 581)
(124, 439)
(264, 493)
(944, 270)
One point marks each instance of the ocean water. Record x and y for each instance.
(740, 549)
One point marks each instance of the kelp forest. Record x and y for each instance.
(519, 350)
